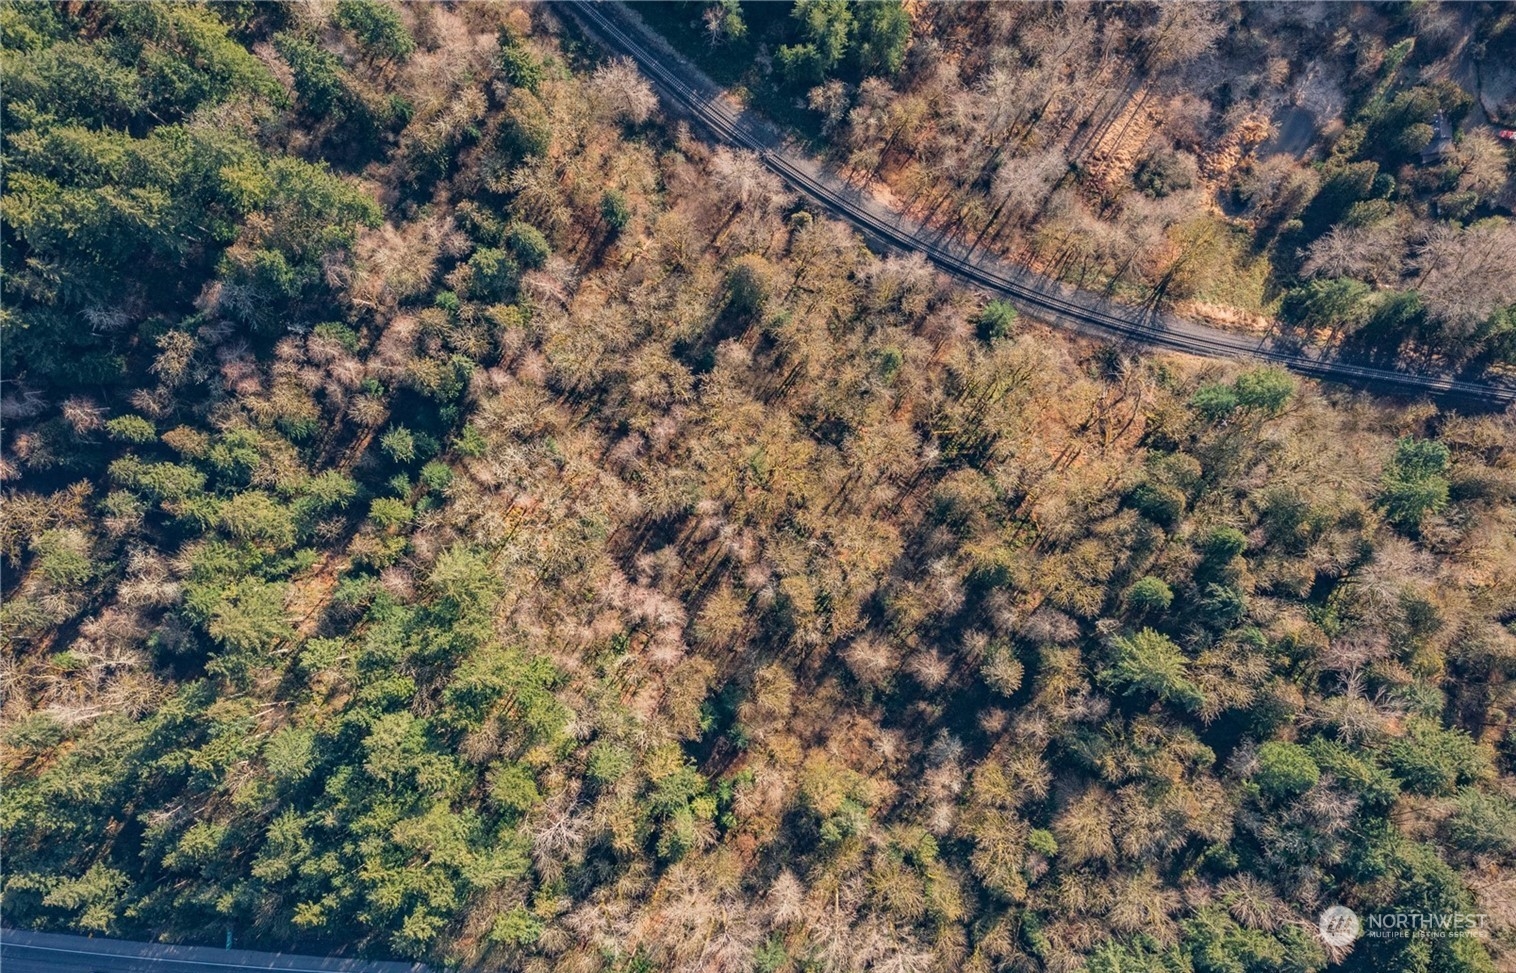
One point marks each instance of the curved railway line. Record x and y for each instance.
(1085, 312)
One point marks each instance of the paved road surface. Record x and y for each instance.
(690, 92)
(36, 952)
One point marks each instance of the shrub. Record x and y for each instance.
(997, 320)
(1417, 458)
(378, 27)
(1223, 544)
(63, 557)
(520, 67)
(1285, 769)
(1484, 824)
(513, 788)
(1164, 173)
(387, 512)
(517, 927)
(1149, 594)
(748, 285)
(131, 429)
(528, 244)
(257, 518)
(1413, 484)
(399, 443)
(608, 763)
(1215, 401)
(494, 275)
(615, 210)
(436, 476)
(338, 332)
(471, 442)
(326, 492)
(1265, 390)
(1042, 842)
(1163, 505)
(1150, 663)
(1432, 760)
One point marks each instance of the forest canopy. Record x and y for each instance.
(1257, 165)
(452, 512)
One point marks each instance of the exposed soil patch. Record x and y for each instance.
(1294, 133)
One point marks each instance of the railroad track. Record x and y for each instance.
(1084, 312)
(24, 951)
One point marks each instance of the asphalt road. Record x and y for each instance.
(35, 952)
(690, 92)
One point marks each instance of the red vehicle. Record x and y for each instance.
(1509, 134)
